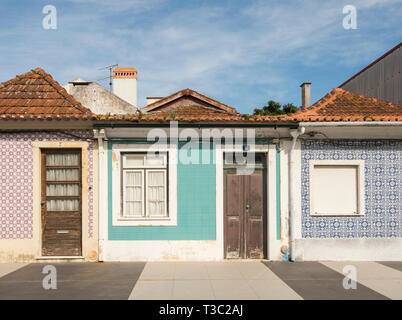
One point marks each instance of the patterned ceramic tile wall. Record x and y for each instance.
(16, 165)
(383, 182)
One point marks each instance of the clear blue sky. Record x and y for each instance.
(242, 53)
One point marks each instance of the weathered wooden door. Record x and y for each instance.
(244, 206)
(61, 202)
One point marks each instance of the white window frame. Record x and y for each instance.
(164, 216)
(360, 185)
(124, 193)
(171, 187)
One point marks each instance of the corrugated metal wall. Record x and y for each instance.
(382, 81)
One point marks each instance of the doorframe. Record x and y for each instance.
(37, 147)
(270, 151)
(58, 151)
(243, 222)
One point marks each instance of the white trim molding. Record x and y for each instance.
(117, 219)
(360, 192)
(273, 245)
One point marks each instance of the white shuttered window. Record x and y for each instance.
(144, 186)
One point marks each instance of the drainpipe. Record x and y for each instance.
(101, 136)
(293, 189)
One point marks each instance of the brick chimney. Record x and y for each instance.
(125, 84)
(306, 94)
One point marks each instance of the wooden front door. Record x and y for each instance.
(61, 202)
(244, 207)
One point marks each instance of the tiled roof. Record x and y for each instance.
(342, 105)
(187, 93)
(36, 96)
(338, 105)
(193, 118)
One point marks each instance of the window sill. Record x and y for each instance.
(348, 215)
(143, 220)
(157, 222)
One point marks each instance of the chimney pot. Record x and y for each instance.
(125, 84)
(306, 94)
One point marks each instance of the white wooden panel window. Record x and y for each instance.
(144, 186)
(336, 189)
(133, 193)
(156, 193)
(60, 175)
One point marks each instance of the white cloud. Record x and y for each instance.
(242, 55)
(114, 6)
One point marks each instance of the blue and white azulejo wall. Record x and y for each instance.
(382, 179)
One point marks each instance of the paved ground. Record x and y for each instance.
(203, 280)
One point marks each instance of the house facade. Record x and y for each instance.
(172, 192)
(189, 178)
(48, 179)
(324, 182)
(350, 180)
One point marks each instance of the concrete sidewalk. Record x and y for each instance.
(226, 280)
(209, 281)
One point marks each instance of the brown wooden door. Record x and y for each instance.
(244, 206)
(61, 202)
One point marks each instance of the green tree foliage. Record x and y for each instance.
(275, 108)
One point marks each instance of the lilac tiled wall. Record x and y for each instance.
(16, 166)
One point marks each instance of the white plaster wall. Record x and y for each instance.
(353, 132)
(126, 89)
(349, 249)
(162, 250)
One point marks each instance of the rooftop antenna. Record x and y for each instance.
(110, 73)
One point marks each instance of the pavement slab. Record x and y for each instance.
(393, 264)
(6, 268)
(378, 277)
(315, 281)
(226, 280)
(74, 281)
(241, 280)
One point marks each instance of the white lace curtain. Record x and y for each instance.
(134, 194)
(62, 189)
(156, 193)
(62, 159)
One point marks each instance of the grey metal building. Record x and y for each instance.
(382, 79)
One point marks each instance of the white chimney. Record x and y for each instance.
(305, 94)
(125, 84)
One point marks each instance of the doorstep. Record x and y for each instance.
(60, 258)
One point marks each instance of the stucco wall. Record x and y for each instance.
(99, 100)
(382, 179)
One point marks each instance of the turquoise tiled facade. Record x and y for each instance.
(196, 205)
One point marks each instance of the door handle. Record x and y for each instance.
(247, 207)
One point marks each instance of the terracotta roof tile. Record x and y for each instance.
(342, 105)
(35, 95)
(157, 105)
(338, 105)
